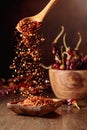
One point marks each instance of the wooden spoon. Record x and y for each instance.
(37, 18)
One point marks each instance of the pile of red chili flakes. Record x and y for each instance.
(36, 101)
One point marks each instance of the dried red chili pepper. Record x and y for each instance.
(55, 50)
(54, 43)
(73, 102)
(72, 57)
(62, 65)
(83, 63)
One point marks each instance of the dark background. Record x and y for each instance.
(70, 13)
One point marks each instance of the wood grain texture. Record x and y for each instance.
(64, 118)
(68, 84)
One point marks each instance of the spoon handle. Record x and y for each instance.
(40, 16)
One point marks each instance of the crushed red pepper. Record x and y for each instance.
(36, 101)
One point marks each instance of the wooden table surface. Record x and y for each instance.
(64, 118)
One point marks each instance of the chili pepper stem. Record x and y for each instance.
(79, 42)
(57, 59)
(76, 105)
(64, 42)
(59, 35)
(45, 67)
(62, 66)
(66, 53)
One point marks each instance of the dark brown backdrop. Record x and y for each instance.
(70, 13)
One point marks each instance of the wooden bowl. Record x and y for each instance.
(68, 84)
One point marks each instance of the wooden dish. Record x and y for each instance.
(68, 84)
(34, 110)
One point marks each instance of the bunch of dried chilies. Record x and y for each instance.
(66, 58)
